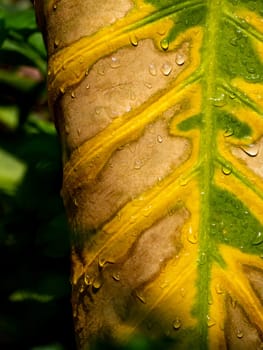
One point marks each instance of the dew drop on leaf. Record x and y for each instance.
(219, 100)
(138, 164)
(226, 170)
(114, 62)
(87, 279)
(259, 239)
(133, 40)
(164, 43)
(239, 333)
(166, 69)
(191, 236)
(97, 283)
(140, 298)
(229, 132)
(116, 277)
(177, 324)
(56, 43)
(159, 138)
(210, 321)
(251, 150)
(152, 69)
(179, 59)
(148, 85)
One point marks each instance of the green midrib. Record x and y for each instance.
(207, 156)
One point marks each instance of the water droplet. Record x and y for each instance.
(179, 59)
(148, 85)
(133, 40)
(56, 43)
(67, 129)
(87, 280)
(251, 150)
(87, 86)
(203, 258)
(97, 283)
(219, 289)
(138, 164)
(219, 100)
(259, 239)
(228, 132)
(159, 138)
(164, 285)
(152, 69)
(101, 69)
(226, 169)
(114, 62)
(239, 333)
(116, 276)
(75, 201)
(177, 324)
(87, 72)
(141, 298)
(147, 210)
(62, 90)
(191, 236)
(73, 95)
(54, 7)
(210, 321)
(166, 69)
(164, 43)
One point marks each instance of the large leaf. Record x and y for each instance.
(164, 187)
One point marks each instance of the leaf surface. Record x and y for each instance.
(185, 244)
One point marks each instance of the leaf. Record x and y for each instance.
(164, 191)
(11, 172)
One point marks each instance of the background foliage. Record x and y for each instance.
(34, 239)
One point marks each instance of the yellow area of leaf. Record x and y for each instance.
(255, 92)
(252, 18)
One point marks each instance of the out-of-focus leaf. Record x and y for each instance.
(19, 82)
(36, 41)
(9, 116)
(2, 31)
(22, 295)
(20, 20)
(12, 171)
(15, 46)
(49, 347)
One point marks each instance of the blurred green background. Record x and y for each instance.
(35, 310)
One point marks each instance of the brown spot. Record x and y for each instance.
(154, 247)
(131, 170)
(116, 85)
(240, 332)
(82, 18)
(255, 277)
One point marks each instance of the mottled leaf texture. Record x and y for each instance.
(159, 104)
